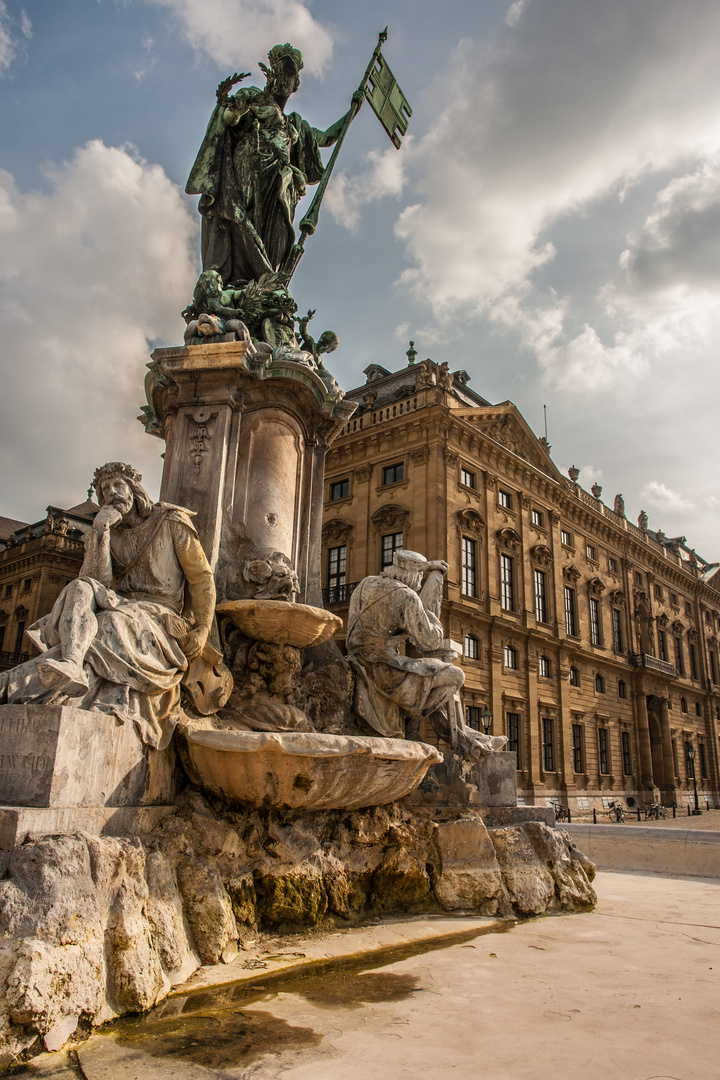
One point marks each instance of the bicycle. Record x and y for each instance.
(616, 812)
(655, 811)
(561, 813)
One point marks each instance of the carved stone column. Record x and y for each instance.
(246, 440)
(669, 791)
(645, 748)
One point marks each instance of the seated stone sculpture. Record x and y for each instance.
(393, 693)
(123, 636)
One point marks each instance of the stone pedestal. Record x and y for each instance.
(246, 442)
(64, 770)
(452, 782)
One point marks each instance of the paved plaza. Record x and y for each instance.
(628, 992)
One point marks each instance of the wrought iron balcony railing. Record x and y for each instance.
(338, 594)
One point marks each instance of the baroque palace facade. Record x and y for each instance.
(592, 641)
(36, 563)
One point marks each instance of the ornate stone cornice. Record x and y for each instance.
(508, 539)
(596, 586)
(571, 574)
(542, 555)
(470, 521)
(336, 529)
(392, 516)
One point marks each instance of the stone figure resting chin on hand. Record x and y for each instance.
(120, 637)
(394, 692)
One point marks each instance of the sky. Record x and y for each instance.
(551, 223)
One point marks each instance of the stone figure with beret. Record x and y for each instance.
(394, 692)
(131, 628)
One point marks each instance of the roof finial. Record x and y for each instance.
(411, 353)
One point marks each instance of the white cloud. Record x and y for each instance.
(9, 43)
(347, 195)
(570, 105)
(660, 495)
(89, 273)
(238, 33)
(514, 13)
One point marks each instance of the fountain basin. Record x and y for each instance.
(280, 622)
(304, 770)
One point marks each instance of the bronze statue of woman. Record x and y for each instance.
(253, 167)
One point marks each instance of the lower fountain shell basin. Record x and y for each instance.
(304, 771)
(280, 622)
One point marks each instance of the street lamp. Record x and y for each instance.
(691, 758)
(486, 717)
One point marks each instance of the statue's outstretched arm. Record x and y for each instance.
(333, 133)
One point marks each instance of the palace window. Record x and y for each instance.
(612, 565)
(472, 647)
(603, 750)
(703, 761)
(393, 474)
(599, 684)
(713, 667)
(337, 565)
(658, 592)
(638, 578)
(617, 630)
(594, 621)
(679, 657)
(662, 645)
(574, 677)
(507, 592)
(510, 657)
(540, 596)
(505, 499)
(543, 667)
(2, 637)
(19, 636)
(570, 620)
(673, 599)
(591, 552)
(578, 765)
(340, 489)
(27, 584)
(469, 576)
(688, 608)
(689, 762)
(622, 689)
(627, 761)
(512, 722)
(8, 591)
(472, 717)
(683, 704)
(391, 543)
(537, 517)
(698, 708)
(693, 660)
(548, 749)
(566, 538)
(467, 478)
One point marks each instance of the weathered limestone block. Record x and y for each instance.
(470, 877)
(401, 882)
(571, 870)
(209, 910)
(166, 919)
(57, 755)
(526, 878)
(293, 895)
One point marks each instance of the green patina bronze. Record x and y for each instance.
(256, 161)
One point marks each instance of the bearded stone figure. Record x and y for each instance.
(122, 636)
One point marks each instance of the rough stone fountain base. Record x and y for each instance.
(93, 927)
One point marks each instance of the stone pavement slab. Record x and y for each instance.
(628, 992)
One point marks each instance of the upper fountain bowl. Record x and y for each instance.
(281, 623)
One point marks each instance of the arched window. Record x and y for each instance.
(599, 684)
(622, 689)
(543, 667)
(472, 647)
(574, 676)
(683, 704)
(510, 657)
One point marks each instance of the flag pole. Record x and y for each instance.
(309, 222)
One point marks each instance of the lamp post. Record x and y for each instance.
(486, 717)
(691, 758)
